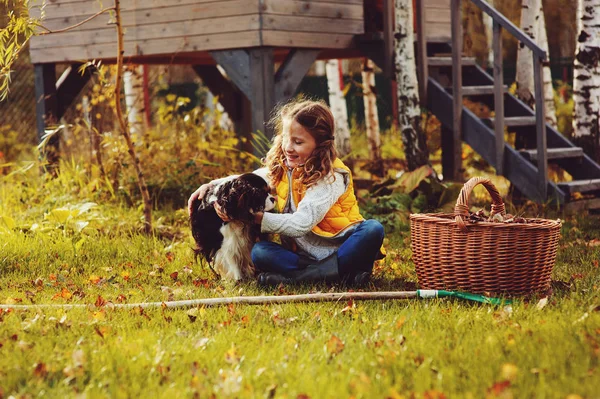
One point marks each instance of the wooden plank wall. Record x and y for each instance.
(163, 27)
(437, 20)
(152, 27)
(311, 23)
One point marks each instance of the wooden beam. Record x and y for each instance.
(262, 88)
(292, 71)
(515, 121)
(46, 107)
(580, 186)
(323, 26)
(480, 90)
(228, 94)
(457, 103)
(149, 47)
(320, 40)
(236, 64)
(371, 47)
(498, 97)
(554, 153)
(388, 38)
(69, 86)
(447, 61)
(312, 9)
(540, 115)
(577, 207)
(252, 71)
(422, 59)
(447, 141)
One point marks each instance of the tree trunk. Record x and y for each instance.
(586, 85)
(371, 117)
(337, 102)
(134, 100)
(409, 113)
(549, 105)
(525, 87)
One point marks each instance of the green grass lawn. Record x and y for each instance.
(57, 248)
(401, 348)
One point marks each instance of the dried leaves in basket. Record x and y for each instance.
(482, 216)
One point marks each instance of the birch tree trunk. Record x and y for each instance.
(586, 85)
(542, 35)
(371, 117)
(337, 102)
(409, 112)
(525, 88)
(134, 100)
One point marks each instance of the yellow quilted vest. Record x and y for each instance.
(342, 214)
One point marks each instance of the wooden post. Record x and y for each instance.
(540, 118)
(292, 71)
(422, 67)
(447, 141)
(252, 71)
(262, 88)
(457, 103)
(46, 107)
(498, 98)
(388, 38)
(222, 88)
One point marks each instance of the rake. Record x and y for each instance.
(272, 299)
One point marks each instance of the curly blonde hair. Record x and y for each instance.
(317, 119)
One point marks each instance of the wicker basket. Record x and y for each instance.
(485, 257)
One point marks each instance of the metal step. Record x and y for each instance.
(554, 153)
(447, 61)
(514, 121)
(580, 186)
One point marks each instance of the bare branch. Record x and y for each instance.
(48, 31)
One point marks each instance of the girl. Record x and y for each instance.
(323, 235)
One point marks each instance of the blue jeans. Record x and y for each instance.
(355, 255)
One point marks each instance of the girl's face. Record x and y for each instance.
(298, 144)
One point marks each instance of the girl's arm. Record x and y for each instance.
(317, 201)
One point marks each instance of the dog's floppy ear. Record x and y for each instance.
(253, 198)
(228, 198)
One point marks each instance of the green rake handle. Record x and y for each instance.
(424, 294)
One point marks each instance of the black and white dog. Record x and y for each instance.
(227, 246)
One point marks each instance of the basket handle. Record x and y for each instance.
(461, 209)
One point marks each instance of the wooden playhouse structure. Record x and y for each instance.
(248, 38)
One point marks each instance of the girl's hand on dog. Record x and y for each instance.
(198, 194)
(221, 213)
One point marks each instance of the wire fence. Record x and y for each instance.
(17, 112)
